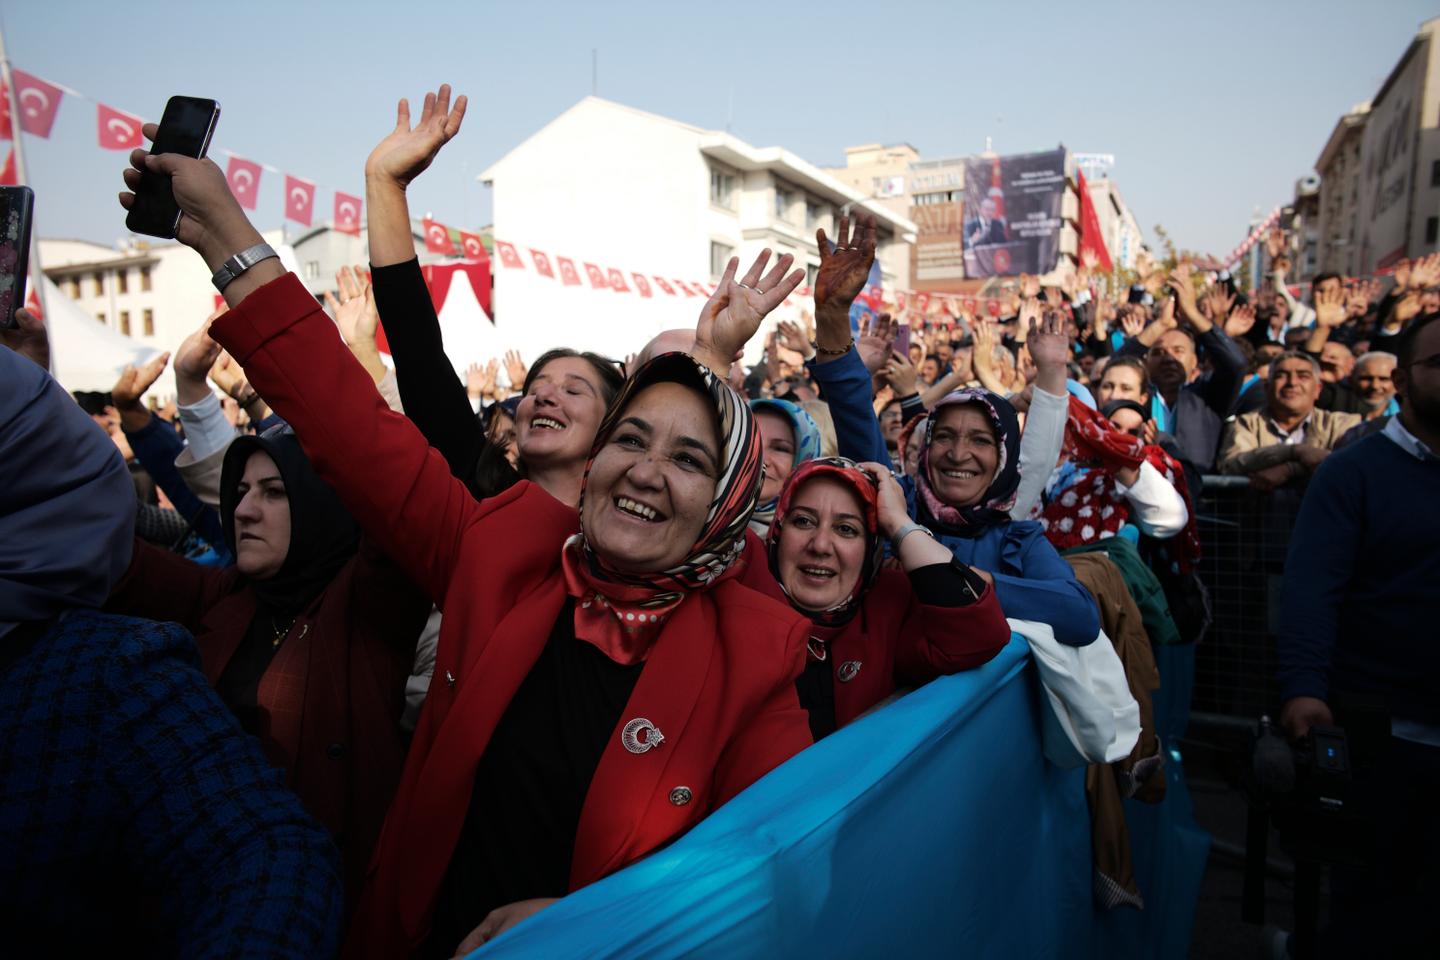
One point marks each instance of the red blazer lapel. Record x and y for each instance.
(221, 630)
(432, 823)
(627, 784)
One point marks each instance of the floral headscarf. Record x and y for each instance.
(621, 613)
(858, 481)
(994, 505)
(807, 447)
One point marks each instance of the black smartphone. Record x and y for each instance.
(17, 204)
(186, 129)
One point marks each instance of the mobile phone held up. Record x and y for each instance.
(186, 129)
(17, 204)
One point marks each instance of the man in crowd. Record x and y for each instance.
(1355, 641)
(1290, 437)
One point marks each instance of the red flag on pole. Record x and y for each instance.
(568, 274)
(117, 131)
(471, 246)
(509, 256)
(299, 200)
(664, 284)
(641, 284)
(244, 179)
(1091, 238)
(8, 176)
(38, 101)
(542, 263)
(617, 281)
(437, 238)
(347, 214)
(597, 277)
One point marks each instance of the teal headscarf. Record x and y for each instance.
(807, 447)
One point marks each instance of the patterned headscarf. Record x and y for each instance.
(858, 481)
(807, 447)
(993, 507)
(621, 613)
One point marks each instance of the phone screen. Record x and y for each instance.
(16, 206)
(185, 129)
(902, 341)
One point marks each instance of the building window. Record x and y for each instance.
(811, 269)
(720, 255)
(1432, 230)
(75, 288)
(722, 188)
(99, 279)
(101, 318)
(784, 199)
(312, 269)
(145, 279)
(812, 214)
(122, 280)
(125, 322)
(149, 321)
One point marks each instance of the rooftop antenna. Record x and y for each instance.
(594, 72)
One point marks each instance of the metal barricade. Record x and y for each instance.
(1244, 536)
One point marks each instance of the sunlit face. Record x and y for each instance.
(822, 545)
(262, 519)
(652, 481)
(1336, 362)
(777, 444)
(917, 353)
(557, 418)
(1171, 361)
(1120, 382)
(1128, 421)
(964, 455)
(1293, 387)
(1374, 383)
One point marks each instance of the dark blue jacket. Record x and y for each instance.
(134, 814)
(1198, 417)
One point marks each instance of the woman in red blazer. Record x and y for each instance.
(308, 637)
(874, 629)
(603, 680)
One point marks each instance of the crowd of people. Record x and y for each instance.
(384, 659)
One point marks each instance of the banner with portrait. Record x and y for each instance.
(1013, 208)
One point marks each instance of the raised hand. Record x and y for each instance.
(1220, 301)
(1275, 242)
(733, 313)
(900, 373)
(1402, 274)
(890, 501)
(1029, 287)
(515, 370)
(1029, 316)
(1133, 322)
(876, 341)
(197, 354)
(229, 376)
(1104, 316)
(1240, 321)
(1184, 287)
(844, 270)
(789, 335)
(29, 338)
(1165, 319)
(405, 152)
(1048, 343)
(134, 381)
(477, 384)
(1329, 308)
(355, 312)
(1425, 272)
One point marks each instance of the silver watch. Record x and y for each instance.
(241, 262)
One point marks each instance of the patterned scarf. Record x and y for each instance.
(849, 473)
(1089, 506)
(807, 447)
(622, 613)
(993, 507)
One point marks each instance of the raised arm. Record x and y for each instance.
(734, 311)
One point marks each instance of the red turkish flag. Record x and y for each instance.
(437, 238)
(641, 284)
(509, 256)
(617, 281)
(38, 101)
(347, 214)
(118, 131)
(244, 179)
(899, 299)
(542, 263)
(685, 288)
(472, 247)
(299, 200)
(8, 176)
(568, 274)
(922, 300)
(664, 284)
(597, 277)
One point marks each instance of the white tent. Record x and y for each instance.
(85, 354)
(469, 335)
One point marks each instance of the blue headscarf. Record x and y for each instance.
(807, 447)
(67, 504)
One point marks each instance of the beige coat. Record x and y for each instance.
(1251, 443)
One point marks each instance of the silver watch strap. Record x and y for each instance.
(241, 262)
(905, 531)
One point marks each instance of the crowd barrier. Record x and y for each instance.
(933, 827)
(1244, 536)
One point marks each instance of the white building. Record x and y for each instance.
(322, 250)
(1118, 226)
(607, 185)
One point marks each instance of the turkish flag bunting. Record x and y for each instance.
(437, 238)
(568, 274)
(244, 179)
(118, 131)
(472, 247)
(347, 214)
(597, 277)
(38, 101)
(617, 281)
(542, 263)
(664, 284)
(8, 177)
(704, 290)
(509, 256)
(641, 284)
(299, 200)
(685, 288)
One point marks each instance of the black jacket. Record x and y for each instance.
(1203, 405)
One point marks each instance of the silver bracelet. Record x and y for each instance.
(899, 536)
(238, 264)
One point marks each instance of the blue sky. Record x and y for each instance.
(1212, 110)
